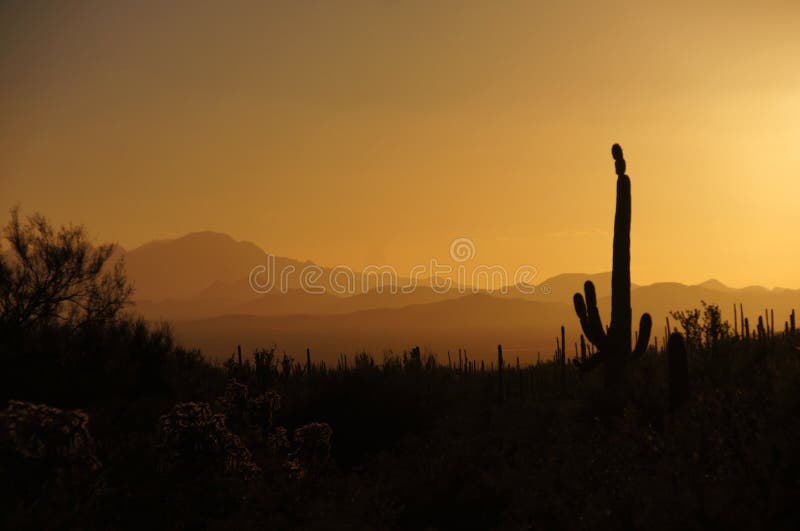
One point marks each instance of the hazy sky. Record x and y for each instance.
(378, 131)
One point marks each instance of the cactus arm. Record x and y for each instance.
(589, 316)
(645, 326)
(580, 310)
(593, 314)
(592, 326)
(678, 370)
(595, 335)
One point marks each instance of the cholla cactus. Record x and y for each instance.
(235, 397)
(314, 448)
(50, 460)
(192, 435)
(262, 409)
(278, 442)
(234, 405)
(39, 431)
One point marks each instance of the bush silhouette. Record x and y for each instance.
(57, 277)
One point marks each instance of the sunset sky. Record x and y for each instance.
(379, 131)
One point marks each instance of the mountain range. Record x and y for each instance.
(200, 283)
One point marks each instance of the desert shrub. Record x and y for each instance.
(39, 432)
(703, 328)
(278, 442)
(313, 451)
(50, 472)
(262, 410)
(194, 439)
(57, 277)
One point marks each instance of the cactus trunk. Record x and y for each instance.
(620, 332)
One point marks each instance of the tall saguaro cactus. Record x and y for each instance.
(614, 346)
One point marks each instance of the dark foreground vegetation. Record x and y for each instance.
(165, 440)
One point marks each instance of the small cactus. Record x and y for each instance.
(563, 361)
(501, 391)
(678, 371)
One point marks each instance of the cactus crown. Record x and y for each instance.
(619, 161)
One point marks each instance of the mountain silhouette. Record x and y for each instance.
(200, 283)
(211, 270)
(561, 287)
(714, 284)
(187, 265)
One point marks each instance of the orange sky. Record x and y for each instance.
(378, 131)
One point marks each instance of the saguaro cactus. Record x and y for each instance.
(678, 370)
(563, 368)
(614, 346)
(772, 323)
(501, 390)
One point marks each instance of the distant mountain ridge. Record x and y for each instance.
(714, 284)
(184, 266)
(474, 322)
(214, 266)
(200, 283)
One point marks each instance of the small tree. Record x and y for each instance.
(50, 277)
(714, 328)
(690, 322)
(703, 328)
